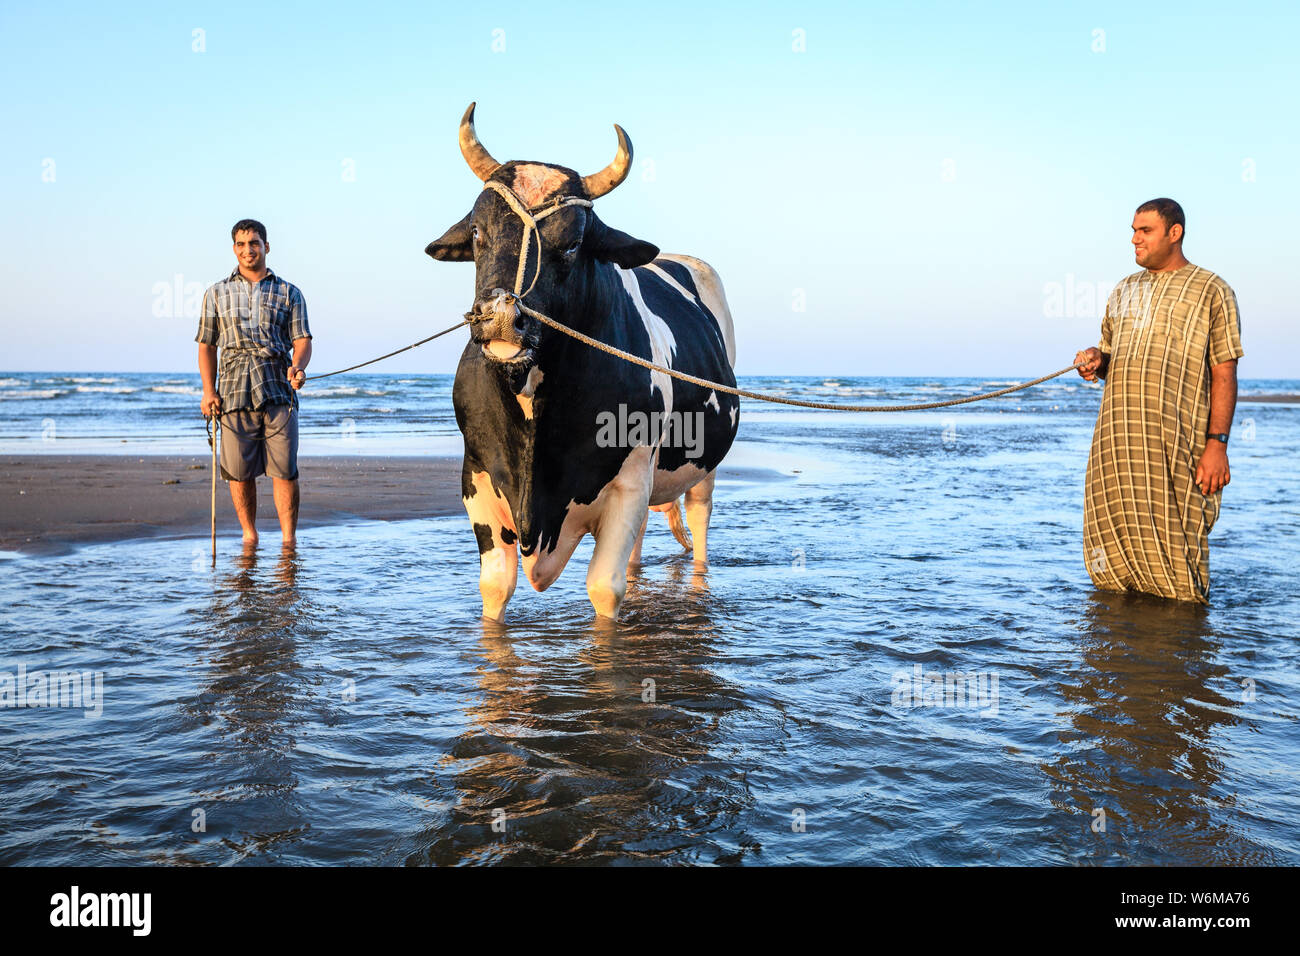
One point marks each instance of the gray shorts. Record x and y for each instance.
(264, 442)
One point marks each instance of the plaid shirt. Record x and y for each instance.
(254, 327)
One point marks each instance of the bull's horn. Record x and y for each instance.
(479, 159)
(598, 184)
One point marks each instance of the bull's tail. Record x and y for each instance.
(677, 523)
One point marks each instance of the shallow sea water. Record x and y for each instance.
(346, 705)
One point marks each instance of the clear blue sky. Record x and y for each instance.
(923, 172)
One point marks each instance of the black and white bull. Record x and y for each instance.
(561, 439)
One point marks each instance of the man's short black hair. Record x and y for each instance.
(1166, 209)
(246, 225)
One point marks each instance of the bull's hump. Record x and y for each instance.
(535, 183)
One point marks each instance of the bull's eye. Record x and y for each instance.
(573, 248)
(476, 235)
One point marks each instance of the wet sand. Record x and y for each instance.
(50, 503)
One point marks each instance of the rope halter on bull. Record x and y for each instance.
(531, 229)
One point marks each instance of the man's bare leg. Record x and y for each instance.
(286, 506)
(244, 495)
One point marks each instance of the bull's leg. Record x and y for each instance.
(607, 573)
(498, 555)
(497, 573)
(634, 562)
(699, 508)
(622, 517)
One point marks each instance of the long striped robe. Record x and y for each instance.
(1146, 523)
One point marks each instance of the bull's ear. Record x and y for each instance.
(455, 245)
(611, 245)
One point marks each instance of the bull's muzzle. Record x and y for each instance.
(504, 332)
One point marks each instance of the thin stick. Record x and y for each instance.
(212, 440)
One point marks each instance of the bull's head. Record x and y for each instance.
(495, 235)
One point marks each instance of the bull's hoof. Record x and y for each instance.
(495, 612)
(607, 599)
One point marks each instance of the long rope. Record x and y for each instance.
(353, 368)
(705, 383)
(780, 400)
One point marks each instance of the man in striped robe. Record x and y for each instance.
(1170, 340)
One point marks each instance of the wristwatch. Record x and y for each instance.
(1223, 437)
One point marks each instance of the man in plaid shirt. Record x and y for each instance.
(258, 324)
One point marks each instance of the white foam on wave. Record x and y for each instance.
(114, 389)
(34, 393)
(838, 389)
(346, 391)
(176, 389)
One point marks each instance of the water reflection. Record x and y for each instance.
(1142, 747)
(254, 696)
(595, 742)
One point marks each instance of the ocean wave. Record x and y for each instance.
(176, 389)
(346, 391)
(1066, 385)
(11, 382)
(34, 393)
(114, 389)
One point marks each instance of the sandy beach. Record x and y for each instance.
(50, 503)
